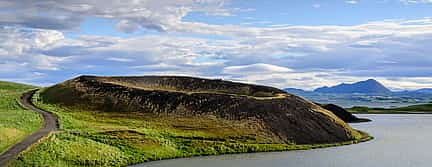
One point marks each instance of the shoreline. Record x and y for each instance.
(391, 112)
(360, 120)
(365, 138)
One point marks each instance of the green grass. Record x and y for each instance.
(420, 108)
(81, 149)
(15, 122)
(91, 138)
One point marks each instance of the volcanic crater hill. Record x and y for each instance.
(343, 114)
(279, 116)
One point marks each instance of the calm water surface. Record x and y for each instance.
(400, 141)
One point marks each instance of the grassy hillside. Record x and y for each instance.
(15, 122)
(421, 108)
(117, 136)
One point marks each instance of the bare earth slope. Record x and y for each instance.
(278, 116)
(343, 114)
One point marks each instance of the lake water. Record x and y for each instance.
(400, 141)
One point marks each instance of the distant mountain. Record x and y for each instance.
(296, 91)
(418, 92)
(369, 86)
(424, 90)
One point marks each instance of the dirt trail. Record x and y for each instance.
(50, 123)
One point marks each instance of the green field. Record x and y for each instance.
(15, 122)
(414, 109)
(91, 138)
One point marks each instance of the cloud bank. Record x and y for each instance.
(34, 47)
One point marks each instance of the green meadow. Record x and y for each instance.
(15, 122)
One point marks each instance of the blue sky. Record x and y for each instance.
(281, 12)
(304, 44)
(313, 12)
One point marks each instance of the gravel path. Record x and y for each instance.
(50, 123)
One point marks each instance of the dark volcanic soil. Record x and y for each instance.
(287, 118)
(190, 84)
(343, 114)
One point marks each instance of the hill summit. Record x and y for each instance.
(369, 86)
(262, 114)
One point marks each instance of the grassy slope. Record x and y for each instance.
(421, 108)
(118, 139)
(15, 122)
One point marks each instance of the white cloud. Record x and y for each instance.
(351, 2)
(410, 83)
(256, 68)
(279, 55)
(131, 14)
(15, 41)
(316, 5)
(282, 56)
(127, 26)
(43, 62)
(415, 1)
(24, 47)
(119, 59)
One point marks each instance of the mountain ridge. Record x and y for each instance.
(325, 89)
(370, 86)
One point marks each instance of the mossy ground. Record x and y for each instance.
(91, 138)
(15, 122)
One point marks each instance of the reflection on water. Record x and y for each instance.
(400, 141)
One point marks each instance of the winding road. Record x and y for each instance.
(50, 124)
